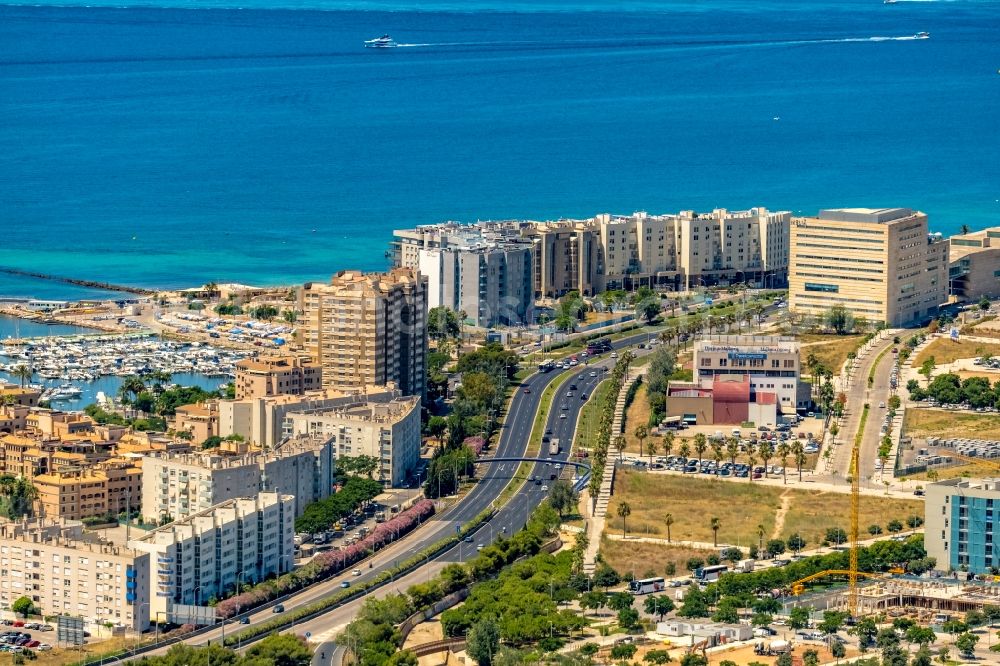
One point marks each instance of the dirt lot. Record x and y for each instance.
(643, 558)
(946, 350)
(830, 350)
(63, 656)
(938, 422)
(637, 414)
(740, 506)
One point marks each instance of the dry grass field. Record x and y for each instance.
(939, 422)
(946, 350)
(740, 507)
(831, 350)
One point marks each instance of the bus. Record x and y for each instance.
(711, 573)
(598, 346)
(647, 585)
(546, 365)
(553, 447)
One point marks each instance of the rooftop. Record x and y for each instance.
(869, 215)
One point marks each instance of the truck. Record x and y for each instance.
(744, 566)
(553, 446)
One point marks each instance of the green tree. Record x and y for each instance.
(624, 651)
(810, 658)
(894, 526)
(483, 641)
(695, 603)
(23, 606)
(605, 576)
(784, 660)
(832, 621)
(658, 605)
(562, 497)
(715, 524)
(282, 650)
(840, 319)
(443, 323)
(648, 309)
(628, 618)
(796, 542)
(798, 617)
(966, 644)
(838, 650)
(694, 659)
(927, 368)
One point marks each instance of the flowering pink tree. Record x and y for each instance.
(477, 444)
(329, 563)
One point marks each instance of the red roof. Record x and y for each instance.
(733, 388)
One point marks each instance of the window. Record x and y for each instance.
(816, 286)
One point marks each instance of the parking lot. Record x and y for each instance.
(17, 636)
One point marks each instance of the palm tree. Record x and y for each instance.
(715, 525)
(130, 389)
(783, 452)
(700, 444)
(766, 450)
(668, 520)
(751, 459)
(733, 449)
(620, 445)
(668, 443)
(800, 456)
(22, 372)
(641, 433)
(685, 450)
(758, 312)
(624, 511)
(716, 452)
(760, 537)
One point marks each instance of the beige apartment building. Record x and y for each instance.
(676, 251)
(200, 419)
(974, 264)
(879, 263)
(12, 394)
(64, 573)
(209, 553)
(388, 430)
(276, 375)
(365, 329)
(74, 494)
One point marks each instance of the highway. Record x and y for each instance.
(513, 441)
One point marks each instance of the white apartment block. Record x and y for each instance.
(388, 431)
(210, 553)
(180, 485)
(261, 421)
(63, 574)
(676, 251)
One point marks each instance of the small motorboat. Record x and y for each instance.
(383, 42)
(922, 35)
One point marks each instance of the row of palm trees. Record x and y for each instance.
(624, 510)
(602, 443)
(730, 447)
(694, 324)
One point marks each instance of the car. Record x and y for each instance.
(919, 492)
(565, 408)
(527, 390)
(675, 583)
(32, 644)
(44, 646)
(593, 374)
(480, 546)
(345, 584)
(467, 539)
(583, 396)
(356, 572)
(538, 482)
(545, 489)
(881, 404)
(244, 620)
(278, 609)
(562, 416)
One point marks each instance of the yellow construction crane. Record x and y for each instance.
(799, 586)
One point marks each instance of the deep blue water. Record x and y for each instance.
(170, 146)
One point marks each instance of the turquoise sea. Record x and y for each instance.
(257, 141)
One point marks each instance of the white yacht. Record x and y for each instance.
(922, 35)
(383, 42)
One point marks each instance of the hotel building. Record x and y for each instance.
(881, 264)
(974, 264)
(211, 552)
(367, 329)
(63, 574)
(960, 518)
(772, 364)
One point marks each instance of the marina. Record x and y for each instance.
(71, 371)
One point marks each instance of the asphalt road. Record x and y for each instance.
(513, 442)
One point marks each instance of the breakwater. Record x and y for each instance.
(91, 284)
